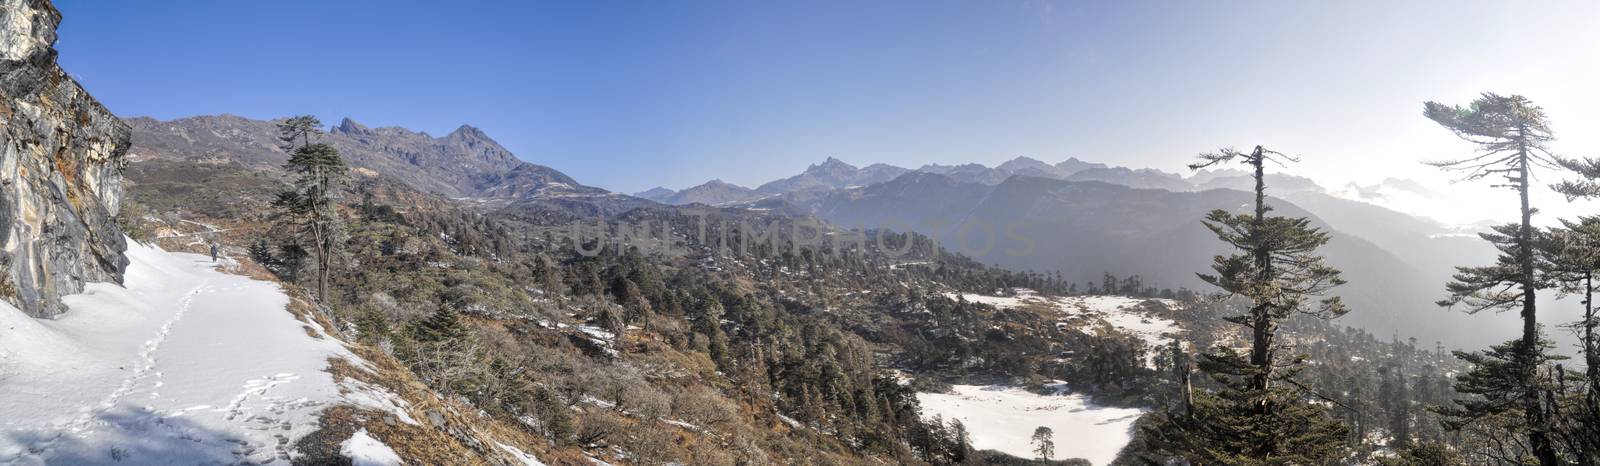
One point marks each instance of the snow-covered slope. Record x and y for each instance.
(183, 365)
(1003, 418)
(1125, 314)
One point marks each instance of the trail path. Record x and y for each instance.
(184, 365)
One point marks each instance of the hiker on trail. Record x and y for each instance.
(213, 251)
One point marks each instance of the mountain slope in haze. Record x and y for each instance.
(1085, 229)
(1244, 181)
(829, 175)
(1154, 240)
(1028, 166)
(1031, 167)
(832, 174)
(1143, 178)
(1072, 165)
(714, 192)
(658, 194)
(966, 173)
(1409, 196)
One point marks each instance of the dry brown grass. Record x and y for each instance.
(450, 432)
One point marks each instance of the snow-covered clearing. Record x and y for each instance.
(182, 365)
(1123, 313)
(1003, 418)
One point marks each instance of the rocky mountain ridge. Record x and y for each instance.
(464, 163)
(714, 192)
(834, 174)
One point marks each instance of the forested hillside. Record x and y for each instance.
(735, 337)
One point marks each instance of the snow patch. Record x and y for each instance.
(684, 425)
(378, 398)
(524, 457)
(363, 450)
(1126, 314)
(1003, 418)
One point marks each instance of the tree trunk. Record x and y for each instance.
(1539, 434)
(1184, 369)
(317, 233)
(319, 237)
(1261, 308)
(1260, 311)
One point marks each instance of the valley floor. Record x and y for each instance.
(183, 365)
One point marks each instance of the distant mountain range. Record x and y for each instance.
(1090, 218)
(831, 174)
(1085, 229)
(834, 174)
(1080, 219)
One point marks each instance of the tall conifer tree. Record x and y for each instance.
(1511, 134)
(1262, 415)
(311, 202)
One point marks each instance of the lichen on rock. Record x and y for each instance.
(61, 162)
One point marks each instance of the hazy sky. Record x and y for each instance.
(630, 95)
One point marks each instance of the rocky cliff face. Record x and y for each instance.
(61, 160)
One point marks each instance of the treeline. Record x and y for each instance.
(584, 345)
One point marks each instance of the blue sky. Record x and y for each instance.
(630, 95)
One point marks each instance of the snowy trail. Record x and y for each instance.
(186, 365)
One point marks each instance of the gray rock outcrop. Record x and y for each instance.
(61, 161)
